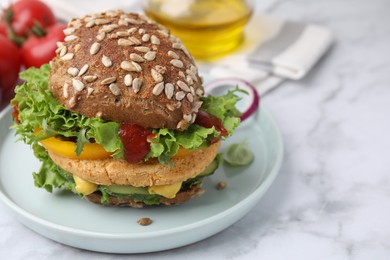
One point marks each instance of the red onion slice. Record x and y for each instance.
(231, 83)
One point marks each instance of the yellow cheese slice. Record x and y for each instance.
(168, 191)
(83, 186)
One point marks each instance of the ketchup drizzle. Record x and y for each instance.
(134, 139)
(207, 120)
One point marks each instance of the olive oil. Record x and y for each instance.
(208, 28)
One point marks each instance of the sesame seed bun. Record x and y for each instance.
(126, 68)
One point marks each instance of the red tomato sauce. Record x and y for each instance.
(134, 139)
(207, 120)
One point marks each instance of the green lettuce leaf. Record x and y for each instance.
(50, 175)
(39, 109)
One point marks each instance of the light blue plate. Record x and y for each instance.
(65, 218)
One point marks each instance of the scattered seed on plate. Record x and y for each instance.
(145, 221)
(221, 185)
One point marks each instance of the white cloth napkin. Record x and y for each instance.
(275, 50)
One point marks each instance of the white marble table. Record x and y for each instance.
(331, 199)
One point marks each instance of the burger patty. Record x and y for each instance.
(114, 171)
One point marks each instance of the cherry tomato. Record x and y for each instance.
(9, 64)
(3, 29)
(25, 14)
(38, 51)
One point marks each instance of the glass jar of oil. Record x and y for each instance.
(209, 29)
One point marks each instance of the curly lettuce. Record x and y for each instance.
(38, 109)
